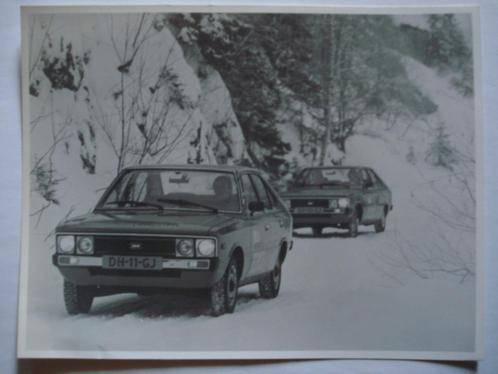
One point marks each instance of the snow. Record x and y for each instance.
(331, 299)
(388, 291)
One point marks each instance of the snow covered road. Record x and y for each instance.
(334, 296)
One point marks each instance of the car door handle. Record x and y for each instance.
(267, 227)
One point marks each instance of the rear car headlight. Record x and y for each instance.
(184, 247)
(333, 203)
(205, 247)
(343, 202)
(84, 245)
(65, 243)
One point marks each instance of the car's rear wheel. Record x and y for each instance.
(380, 225)
(78, 299)
(269, 286)
(317, 230)
(353, 226)
(223, 295)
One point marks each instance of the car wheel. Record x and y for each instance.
(269, 286)
(380, 225)
(78, 299)
(223, 295)
(317, 230)
(353, 226)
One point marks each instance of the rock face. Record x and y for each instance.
(111, 91)
(222, 131)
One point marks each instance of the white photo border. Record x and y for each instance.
(476, 354)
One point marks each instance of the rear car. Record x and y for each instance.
(340, 197)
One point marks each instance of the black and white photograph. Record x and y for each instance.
(251, 182)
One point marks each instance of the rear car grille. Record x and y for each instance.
(134, 245)
(310, 203)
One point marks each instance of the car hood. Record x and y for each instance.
(326, 191)
(168, 223)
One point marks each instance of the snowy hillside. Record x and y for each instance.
(113, 91)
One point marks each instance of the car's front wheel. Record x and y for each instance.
(223, 294)
(78, 299)
(269, 286)
(353, 226)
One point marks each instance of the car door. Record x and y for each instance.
(281, 223)
(271, 224)
(369, 197)
(256, 224)
(382, 195)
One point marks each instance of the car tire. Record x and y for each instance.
(269, 286)
(223, 295)
(78, 299)
(353, 226)
(380, 225)
(317, 230)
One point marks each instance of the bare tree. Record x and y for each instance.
(153, 113)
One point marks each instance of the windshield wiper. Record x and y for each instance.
(183, 202)
(135, 203)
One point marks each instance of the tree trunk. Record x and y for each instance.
(326, 63)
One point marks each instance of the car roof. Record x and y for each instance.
(220, 168)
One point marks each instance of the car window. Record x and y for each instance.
(261, 190)
(273, 198)
(333, 176)
(174, 189)
(366, 177)
(377, 181)
(248, 188)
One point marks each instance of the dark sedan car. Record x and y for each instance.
(342, 197)
(159, 228)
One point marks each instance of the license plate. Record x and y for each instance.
(132, 262)
(308, 209)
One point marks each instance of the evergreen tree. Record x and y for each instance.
(441, 153)
(443, 46)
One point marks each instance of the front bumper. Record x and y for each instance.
(330, 219)
(175, 273)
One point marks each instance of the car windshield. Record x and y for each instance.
(329, 177)
(199, 190)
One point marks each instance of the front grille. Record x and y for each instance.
(135, 245)
(311, 203)
(165, 273)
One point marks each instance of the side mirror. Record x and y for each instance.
(368, 184)
(256, 206)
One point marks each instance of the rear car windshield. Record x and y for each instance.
(329, 176)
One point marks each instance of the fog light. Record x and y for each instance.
(185, 247)
(205, 247)
(85, 245)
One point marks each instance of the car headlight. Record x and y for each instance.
(65, 243)
(333, 203)
(343, 202)
(205, 247)
(84, 245)
(185, 247)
